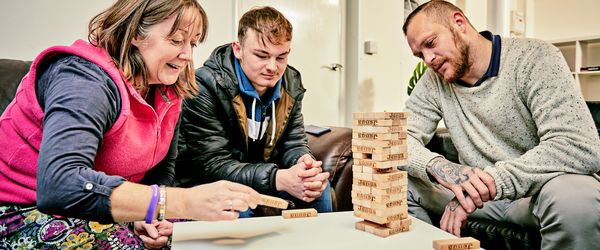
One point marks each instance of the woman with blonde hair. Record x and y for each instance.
(90, 139)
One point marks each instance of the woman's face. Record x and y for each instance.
(167, 56)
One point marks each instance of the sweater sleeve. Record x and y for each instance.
(423, 118)
(80, 103)
(568, 141)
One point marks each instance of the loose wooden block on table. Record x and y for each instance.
(275, 202)
(299, 213)
(456, 244)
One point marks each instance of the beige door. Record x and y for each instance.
(317, 52)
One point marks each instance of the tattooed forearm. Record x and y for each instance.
(448, 171)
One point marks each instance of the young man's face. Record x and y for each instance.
(263, 63)
(441, 47)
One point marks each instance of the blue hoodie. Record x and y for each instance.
(257, 113)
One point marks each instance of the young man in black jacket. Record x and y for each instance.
(246, 124)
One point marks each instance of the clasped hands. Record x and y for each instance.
(471, 187)
(305, 180)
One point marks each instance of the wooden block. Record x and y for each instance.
(299, 213)
(456, 244)
(372, 170)
(361, 156)
(378, 164)
(378, 122)
(399, 223)
(361, 189)
(379, 115)
(371, 129)
(379, 184)
(379, 230)
(398, 149)
(389, 157)
(271, 201)
(402, 189)
(357, 169)
(377, 198)
(393, 176)
(378, 143)
(393, 206)
(379, 136)
(381, 219)
(362, 176)
(382, 213)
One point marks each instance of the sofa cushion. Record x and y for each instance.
(11, 73)
(335, 150)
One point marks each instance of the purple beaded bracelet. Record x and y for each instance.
(152, 205)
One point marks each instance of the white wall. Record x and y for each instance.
(381, 79)
(564, 19)
(30, 26)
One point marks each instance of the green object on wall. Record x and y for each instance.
(417, 73)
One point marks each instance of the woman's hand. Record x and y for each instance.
(155, 235)
(221, 200)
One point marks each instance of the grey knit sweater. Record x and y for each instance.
(523, 127)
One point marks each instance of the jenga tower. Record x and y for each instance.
(378, 187)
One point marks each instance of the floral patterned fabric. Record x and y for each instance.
(27, 228)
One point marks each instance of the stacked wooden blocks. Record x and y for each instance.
(378, 187)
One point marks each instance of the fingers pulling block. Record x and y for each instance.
(456, 244)
(271, 201)
(299, 213)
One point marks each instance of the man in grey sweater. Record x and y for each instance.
(527, 144)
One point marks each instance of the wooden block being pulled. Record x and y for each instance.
(299, 213)
(456, 244)
(271, 201)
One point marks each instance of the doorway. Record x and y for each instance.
(317, 52)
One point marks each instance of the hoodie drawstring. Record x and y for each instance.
(273, 125)
(273, 121)
(256, 133)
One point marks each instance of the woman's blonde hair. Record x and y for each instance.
(115, 28)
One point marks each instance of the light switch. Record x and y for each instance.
(370, 47)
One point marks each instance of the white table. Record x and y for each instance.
(326, 231)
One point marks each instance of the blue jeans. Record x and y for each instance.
(322, 204)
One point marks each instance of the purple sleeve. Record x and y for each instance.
(80, 103)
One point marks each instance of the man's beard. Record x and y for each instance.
(460, 64)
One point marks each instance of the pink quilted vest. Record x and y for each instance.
(137, 141)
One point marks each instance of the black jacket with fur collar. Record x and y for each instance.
(213, 142)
